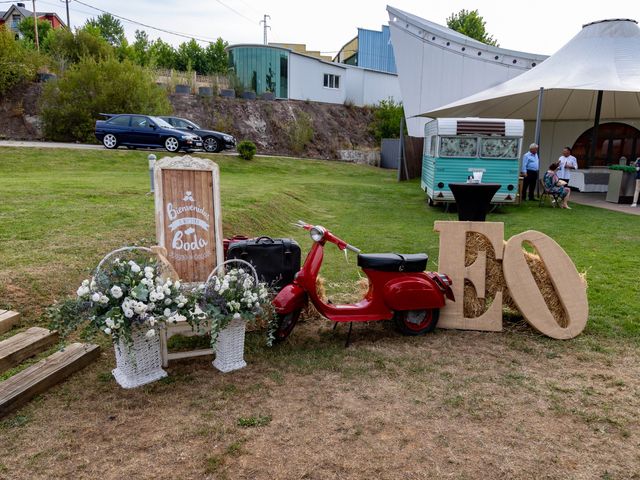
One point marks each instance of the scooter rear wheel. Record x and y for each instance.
(285, 325)
(417, 322)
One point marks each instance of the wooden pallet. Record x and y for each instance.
(7, 320)
(24, 345)
(38, 378)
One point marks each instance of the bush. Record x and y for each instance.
(300, 133)
(246, 149)
(387, 118)
(17, 63)
(71, 105)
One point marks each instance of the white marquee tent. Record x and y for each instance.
(603, 56)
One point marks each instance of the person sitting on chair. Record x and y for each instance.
(555, 186)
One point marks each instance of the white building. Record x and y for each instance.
(289, 74)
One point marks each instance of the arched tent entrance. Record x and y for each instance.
(615, 140)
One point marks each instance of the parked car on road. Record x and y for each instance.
(212, 141)
(143, 131)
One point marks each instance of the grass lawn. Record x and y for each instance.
(460, 404)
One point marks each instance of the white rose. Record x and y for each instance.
(85, 283)
(237, 316)
(116, 291)
(149, 275)
(128, 313)
(153, 297)
(95, 297)
(107, 331)
(167, 301)
(135, 268)
(160, 296)
(177, 284)
(83, 291)
(148, 269)
(104, 299)
(167, 312)
(150, 333)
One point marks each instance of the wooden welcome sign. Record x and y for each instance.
(520, 282)
(189, 215)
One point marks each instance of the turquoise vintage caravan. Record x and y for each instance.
(456, 148)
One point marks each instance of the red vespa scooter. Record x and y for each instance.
(399, 288)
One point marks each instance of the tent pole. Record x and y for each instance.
(594, 137)
(539, 117)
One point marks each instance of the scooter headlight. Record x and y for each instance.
(317, 233)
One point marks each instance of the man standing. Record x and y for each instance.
(530, 168)
(567, 163)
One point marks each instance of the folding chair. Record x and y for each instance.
(546, 194)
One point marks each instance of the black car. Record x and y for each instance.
(212, 141)
(143, 131)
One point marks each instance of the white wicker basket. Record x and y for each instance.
(140, 363)
(230, 343)
(230, 347)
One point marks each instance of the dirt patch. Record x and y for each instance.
(19, 113)
(447, 405)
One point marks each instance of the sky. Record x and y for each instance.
(539, 26)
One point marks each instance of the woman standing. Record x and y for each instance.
(555, 186)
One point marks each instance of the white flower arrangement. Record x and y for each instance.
(129, 294)
(235, 296)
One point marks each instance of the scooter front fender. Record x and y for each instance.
(290, 298)
(412, 293)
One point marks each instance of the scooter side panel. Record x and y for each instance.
(412, 293)
(290, 298)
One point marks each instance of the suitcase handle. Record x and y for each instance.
(265, 237)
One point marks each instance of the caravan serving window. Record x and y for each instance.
(499, 147)
(458, 147)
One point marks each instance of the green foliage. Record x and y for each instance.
(26, 29)
(300, 133)
(246, 149)
(254, 421)
(162, 55)
(471, 24)
(71, 104)
(217, 57)
(110, 28)
(624, 168)
(66, 47)
(387, 119)
(17, 62)
(190, 56)
(140, 48)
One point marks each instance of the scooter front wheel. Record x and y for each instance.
(417, 322)
(285, 325)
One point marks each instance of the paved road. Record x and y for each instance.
(20, 143)
(79, 146)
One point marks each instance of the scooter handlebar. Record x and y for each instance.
(353, 249)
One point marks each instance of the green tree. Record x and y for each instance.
(162, 55)
(26, 29)
(141, 47)
(71, 105)
(66, 47)
(216, 57)
(17, 62)
(191, 56)
(110, 28)
(387, 117)
(471, 24)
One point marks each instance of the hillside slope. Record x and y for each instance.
(267, 123)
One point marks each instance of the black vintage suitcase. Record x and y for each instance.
(276, 260)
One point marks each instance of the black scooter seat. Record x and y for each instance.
(393, 262)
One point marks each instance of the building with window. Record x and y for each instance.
(369, 49)
(289, 74)
(18, 12)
